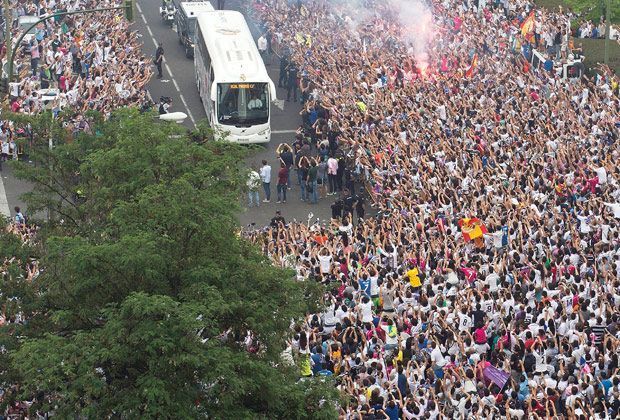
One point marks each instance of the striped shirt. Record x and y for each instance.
(599, 332)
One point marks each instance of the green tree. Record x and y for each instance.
(590, 9)
(148, 293)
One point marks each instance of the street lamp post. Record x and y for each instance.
(8, 24)
(607, 30)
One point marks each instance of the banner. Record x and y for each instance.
(497, 376)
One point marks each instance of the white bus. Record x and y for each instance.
(185, 19)
(233, 83)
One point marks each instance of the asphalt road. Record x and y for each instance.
(179, 84)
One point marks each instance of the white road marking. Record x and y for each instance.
(283, 131)
(4, 202)
(141, 15)
(176, 85)
(173, 79)
(279, 103)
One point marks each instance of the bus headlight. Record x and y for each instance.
(264, 132)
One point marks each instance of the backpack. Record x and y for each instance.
(480, 336)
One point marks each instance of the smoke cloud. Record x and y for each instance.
(416, 19)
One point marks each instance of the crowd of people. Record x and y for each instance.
(79, 62)
(319, 166)
(487, 284)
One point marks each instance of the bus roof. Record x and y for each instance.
(192, 8)
(233, 52)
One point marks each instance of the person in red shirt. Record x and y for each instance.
(321, 238)
(282, 183)
(458, 22)
(16, 105)
(591, 183)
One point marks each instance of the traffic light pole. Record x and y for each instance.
(128, 7)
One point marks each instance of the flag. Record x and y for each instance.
(495, 375)
(527, 27)
(472, 228)
(474, 64)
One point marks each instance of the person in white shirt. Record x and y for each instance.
(325, 260)
(437, 358)
(255, 103)
(265, 177)
(263, 47)
(365, 308)
(492, 279)
(253, 185)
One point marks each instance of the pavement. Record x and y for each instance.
(11, 189)
(178, 82)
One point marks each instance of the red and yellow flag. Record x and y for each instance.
(527, 27)
(472, 228)
(474, 64)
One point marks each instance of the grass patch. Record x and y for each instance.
(551, 4)
(593, 9)
(594, 50)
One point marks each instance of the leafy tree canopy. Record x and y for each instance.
(147, 296)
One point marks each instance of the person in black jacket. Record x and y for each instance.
(159, 58)
(283, 72)
(337, 209)
(291, 83)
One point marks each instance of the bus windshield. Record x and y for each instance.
(191, 31)
(242, 104)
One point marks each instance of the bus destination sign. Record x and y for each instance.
(242, 85)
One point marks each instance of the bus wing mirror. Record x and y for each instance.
(213, 92)
(279, 103)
